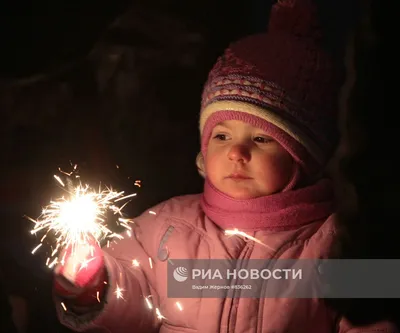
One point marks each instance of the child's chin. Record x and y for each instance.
(241, 194)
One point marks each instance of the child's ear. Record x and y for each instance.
(200, 165)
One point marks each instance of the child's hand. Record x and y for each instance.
(80, 269)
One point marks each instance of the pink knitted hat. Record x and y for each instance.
(281, 81)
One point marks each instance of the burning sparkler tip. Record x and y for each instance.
(79, 217)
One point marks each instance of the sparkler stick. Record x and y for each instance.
(79, 218)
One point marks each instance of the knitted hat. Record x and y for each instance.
(282, 81)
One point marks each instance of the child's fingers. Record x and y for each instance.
(81, 264)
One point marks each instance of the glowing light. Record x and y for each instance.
(79, 217)
(236, 232)
(159, 315)
(118, 292)
(149, 304)
(179, 306)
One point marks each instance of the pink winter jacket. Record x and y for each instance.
(180, 229)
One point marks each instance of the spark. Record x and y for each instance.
(34, 250)
(114, 235)
(63, 259)
(55, 261)
(137, 183)
(126, 197)
(64, 307)
(59, 180)
(55, 251)
(159, 315)
(86, 262)
(233, 232)
(65, 173)
(125, 220)
(126, 226)
(179, 306)
(118, 292)
(79, 216)
(149, 304)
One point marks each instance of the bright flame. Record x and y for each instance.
(77, 217)
(80, 217)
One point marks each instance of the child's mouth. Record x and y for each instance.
(238, 176)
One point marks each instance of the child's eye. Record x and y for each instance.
(261, 139)
(221, 137)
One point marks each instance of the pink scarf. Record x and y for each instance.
(280, 211)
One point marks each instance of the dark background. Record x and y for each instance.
(118, 83)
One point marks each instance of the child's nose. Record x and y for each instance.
(239, 152)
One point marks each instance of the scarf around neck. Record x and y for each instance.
(280, 211)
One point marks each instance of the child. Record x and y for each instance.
(268, 127)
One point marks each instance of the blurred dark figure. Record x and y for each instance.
(366, 172)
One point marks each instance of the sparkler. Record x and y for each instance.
(80, 216)
(237, 232)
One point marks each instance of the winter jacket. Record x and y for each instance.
(180, 229)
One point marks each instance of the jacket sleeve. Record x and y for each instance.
(131, 298)
(380, 327)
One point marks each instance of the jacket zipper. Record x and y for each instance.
(232, 313)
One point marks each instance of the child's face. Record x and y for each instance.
(243, 162)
